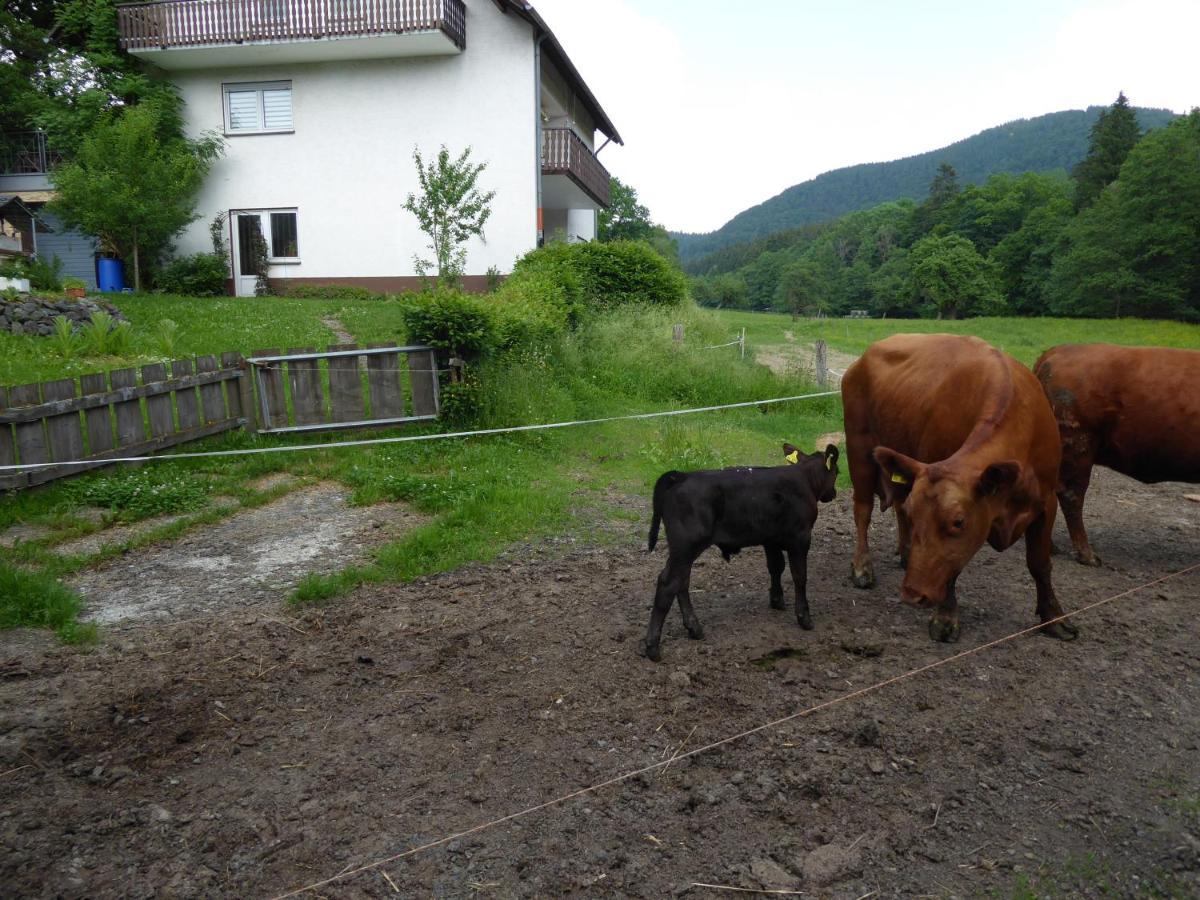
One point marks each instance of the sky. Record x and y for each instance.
(725, 103)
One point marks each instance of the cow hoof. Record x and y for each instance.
(863, 579)
(1088, 559)
(1062, 630)
(805, 622)
(942, 630)
(777, 602)
(653, 653)
(697, 633)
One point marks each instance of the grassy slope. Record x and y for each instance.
(482, 495)
(1023, 338)
(209, 325)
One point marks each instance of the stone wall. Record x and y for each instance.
(27, 314)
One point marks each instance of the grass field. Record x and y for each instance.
(1023, 338)
(481, 495)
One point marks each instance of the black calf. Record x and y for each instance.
(771, 507)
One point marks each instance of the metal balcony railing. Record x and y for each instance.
(26, 153)
(564, 153)
(199, 23)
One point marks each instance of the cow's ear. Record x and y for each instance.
(899, 474)
(831, 456)
(998, 477)
(790, 453)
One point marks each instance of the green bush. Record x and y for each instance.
(201, 275)
(331, 292)
(596, 276)
(459, 324)
(530, 309)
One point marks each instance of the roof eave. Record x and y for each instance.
(559, 57)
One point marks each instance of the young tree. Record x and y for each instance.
(1111, 139)
(450, 209)
(949, 272)
(132, 188)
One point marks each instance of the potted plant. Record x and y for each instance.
(75, 288)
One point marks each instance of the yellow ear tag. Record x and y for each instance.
(793, 457)
(897, 478)
(829, 463)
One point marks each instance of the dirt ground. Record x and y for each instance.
(247, 753)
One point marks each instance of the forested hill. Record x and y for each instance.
(1054, 141)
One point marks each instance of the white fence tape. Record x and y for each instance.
(370, 442)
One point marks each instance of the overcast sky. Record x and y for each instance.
(724, 103)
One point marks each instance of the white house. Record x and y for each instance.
(321, 103)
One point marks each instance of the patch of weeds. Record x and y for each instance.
(680, 446)
(33, 600)
(768, 661)
(142, 493)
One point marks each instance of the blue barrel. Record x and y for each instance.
(109, 276)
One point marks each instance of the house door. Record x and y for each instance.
(248, 233)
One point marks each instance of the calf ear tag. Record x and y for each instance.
(793, 457)
(897, 478)
(829, 463)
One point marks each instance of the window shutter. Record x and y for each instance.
(243, 111)
(277, 109)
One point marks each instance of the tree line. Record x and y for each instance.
(1118, 236)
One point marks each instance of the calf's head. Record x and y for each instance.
(951, 509)
(821, 467)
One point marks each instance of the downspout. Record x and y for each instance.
(537, 132)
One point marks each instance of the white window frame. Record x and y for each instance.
(264, 223)
(258, 87)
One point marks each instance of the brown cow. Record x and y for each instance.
(1133, 409)
(960, 439)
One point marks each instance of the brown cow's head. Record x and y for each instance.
(822, 469)
(951, 510)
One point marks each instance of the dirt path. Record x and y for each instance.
(245, 754)
(795, 358)
(254, 555)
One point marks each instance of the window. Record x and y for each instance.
(284, 244)
(258, 108)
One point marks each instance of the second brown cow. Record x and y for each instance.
(960, 439)
(1133, 409)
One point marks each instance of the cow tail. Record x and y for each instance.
(665, 482)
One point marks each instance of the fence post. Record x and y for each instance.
(742, 343)
(821, 363)
(677, 334)
(246, 396)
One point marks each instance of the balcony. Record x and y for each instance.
(26, 153)
(563, 153)
(194, 34)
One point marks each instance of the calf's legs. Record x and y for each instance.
(775, 566)
(798, 560)
(673, 582)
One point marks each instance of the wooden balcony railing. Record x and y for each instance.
(26, 153)
(563, 153)
(199, 23)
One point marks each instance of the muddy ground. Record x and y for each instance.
(249, 753)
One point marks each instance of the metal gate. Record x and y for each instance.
(344, 386)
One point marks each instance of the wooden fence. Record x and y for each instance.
(117, 414)
(291, 387)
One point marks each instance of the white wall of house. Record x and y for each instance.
(347, 167)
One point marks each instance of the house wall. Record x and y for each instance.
(348, 167)
(76, 250)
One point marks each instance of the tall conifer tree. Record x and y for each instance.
(1111, 139)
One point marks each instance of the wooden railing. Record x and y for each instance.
(563, 153)
(198, 23)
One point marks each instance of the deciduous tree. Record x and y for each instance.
(130, 187)
(450, 209)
